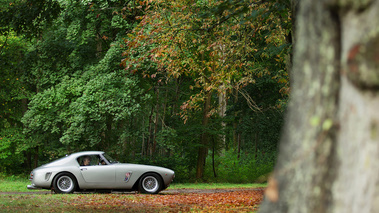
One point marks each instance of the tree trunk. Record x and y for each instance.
(149, 144)
(255, 145)
(239, 145)
(156, 122)
(36, 152)
(213, 157)
(28, 160)
(222, 112)
(143, 138)
(203, 149)
(235, 123)
(329, 152)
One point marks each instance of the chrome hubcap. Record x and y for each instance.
(65, 184)
(150, 184)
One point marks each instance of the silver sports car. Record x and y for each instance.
(94, 170)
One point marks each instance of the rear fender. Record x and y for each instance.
(75, 179)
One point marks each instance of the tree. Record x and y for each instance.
(216, 50)
(14, 91)
(18, 20)
(185, 59)
(329, 152)
(66, 64)
(28, 17)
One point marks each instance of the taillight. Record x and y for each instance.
(31, 176)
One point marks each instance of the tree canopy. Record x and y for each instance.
(196, 86)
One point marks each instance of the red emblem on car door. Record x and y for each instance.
(127, 176)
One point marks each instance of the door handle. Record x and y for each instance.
(83, 169)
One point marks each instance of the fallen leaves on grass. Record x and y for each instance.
(235, 201)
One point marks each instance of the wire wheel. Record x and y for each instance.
(64, 183)
(150, 184)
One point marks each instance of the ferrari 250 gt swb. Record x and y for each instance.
(94, 170)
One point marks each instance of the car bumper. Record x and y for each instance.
(32, 187)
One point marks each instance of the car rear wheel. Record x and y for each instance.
(150, 183)
(64, 183)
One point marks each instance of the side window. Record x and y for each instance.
(102, 162)
(89, 160)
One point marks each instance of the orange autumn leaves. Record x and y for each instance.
(229, 201)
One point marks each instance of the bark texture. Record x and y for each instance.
(204, 140)
(329, 152)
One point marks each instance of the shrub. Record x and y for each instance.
(245, 169)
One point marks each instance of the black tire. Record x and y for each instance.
(64, 183)
(150, 183)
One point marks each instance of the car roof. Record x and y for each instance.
(78, 154)
(71, 158)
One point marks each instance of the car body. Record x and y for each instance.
(69, 174)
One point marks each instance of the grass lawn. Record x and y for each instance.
(18, 184)
(13, 184)
(215, 185)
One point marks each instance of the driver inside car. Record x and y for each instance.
(86, 161)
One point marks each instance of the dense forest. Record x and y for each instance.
(198, 86)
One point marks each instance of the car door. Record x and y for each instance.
(97, 173)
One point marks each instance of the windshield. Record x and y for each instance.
(110, 159)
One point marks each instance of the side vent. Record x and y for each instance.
(47, 176)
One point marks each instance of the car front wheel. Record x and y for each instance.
(150, 183)
(64, 183)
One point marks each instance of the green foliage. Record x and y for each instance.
(244, 169)
(12, 147)
(63, 89)
(181, 164)
(27, 17)
(166, 138)
(13, 85)
(85, 111)
(215, 185)
(13, 93)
